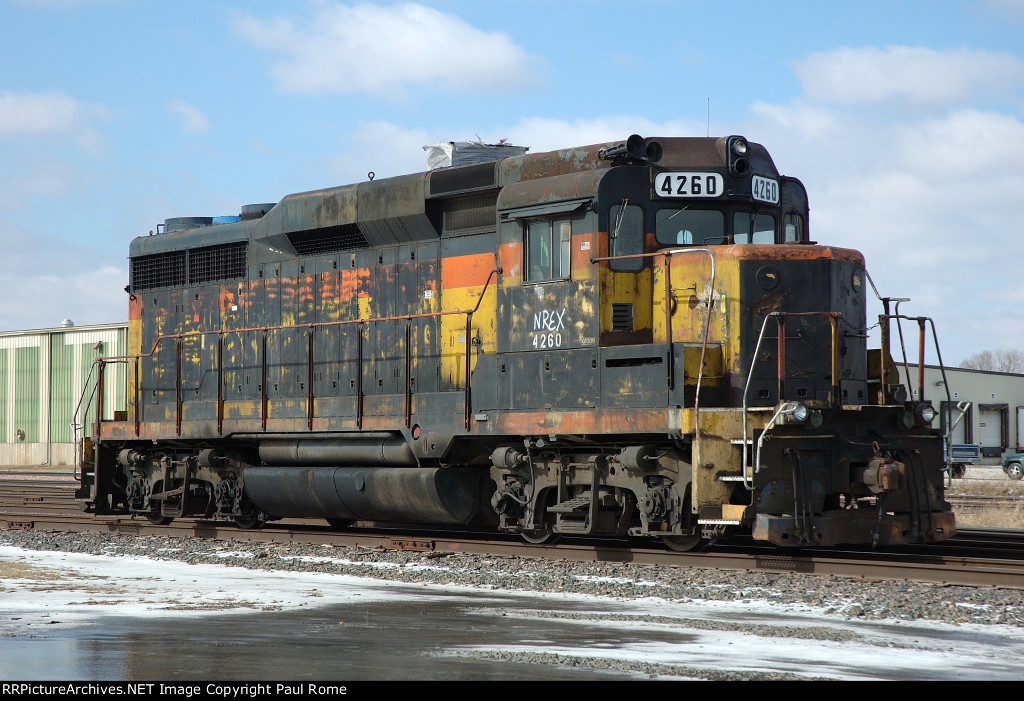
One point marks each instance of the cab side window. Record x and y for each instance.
(748, 227)
(793, 228)
(548, 249)
(626, 231)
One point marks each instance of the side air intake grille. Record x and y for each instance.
(158, 270)
(222, 262)
(622, 317)
(331, 239)
(470, 212)
(462, 178)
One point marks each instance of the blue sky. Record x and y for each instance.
(905, 120)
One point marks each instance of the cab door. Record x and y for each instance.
(548, 356)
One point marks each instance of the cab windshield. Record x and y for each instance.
(686, 226)
(690, 227)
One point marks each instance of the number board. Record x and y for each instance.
(677, 184)
(764, 189)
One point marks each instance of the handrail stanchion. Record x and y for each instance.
(837, 399)
(469, 342)
(263, 383)
(101, 371)
(408, 373)
(220, 383)
(177, 387)
(780, 355)
(359, 374)
(309, 379)
(138, 396)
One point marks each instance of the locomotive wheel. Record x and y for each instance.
(249, 522)
(539, 536)
(157, 519)
(340, 523)
(682, 543)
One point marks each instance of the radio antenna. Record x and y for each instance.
(709, 116)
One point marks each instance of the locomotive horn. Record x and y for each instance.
(653, 151)
(634, 148)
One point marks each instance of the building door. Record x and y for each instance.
(992, 431)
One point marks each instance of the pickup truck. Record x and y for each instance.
(1012, 465)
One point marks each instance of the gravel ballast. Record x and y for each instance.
(839, 596)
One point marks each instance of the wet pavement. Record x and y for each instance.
(387, 640)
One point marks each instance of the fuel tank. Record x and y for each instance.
(454, 495)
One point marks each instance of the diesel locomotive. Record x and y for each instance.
(635, 339)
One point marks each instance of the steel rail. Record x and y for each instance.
(975, 557)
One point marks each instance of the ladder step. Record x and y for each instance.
(571, 506)
(717, 522)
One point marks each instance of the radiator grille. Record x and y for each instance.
(158, 270)
(221, 262)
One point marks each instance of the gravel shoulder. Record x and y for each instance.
(836, 596)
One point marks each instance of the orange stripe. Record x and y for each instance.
(510, 257)
(466, 271)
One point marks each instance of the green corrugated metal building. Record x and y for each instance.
(43, 374)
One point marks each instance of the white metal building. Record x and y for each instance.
(991, 404)
(43, 374)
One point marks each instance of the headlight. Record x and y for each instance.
(794, 412)
(925, 413)
(736, 155)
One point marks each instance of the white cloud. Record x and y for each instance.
(37, 114)
(913, 76)
(31, 123)
(1012, 9)
(389, 149)
(547, 134)
(192, 120)
(382, 51)
(88, 292)
(75, 281)
(47, 178)
(384, 148)
(928, 198)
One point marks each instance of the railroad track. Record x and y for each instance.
(975, 557)
(966, 503)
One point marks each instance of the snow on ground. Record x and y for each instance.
(51, 596)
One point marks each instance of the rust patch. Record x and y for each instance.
(769, 303)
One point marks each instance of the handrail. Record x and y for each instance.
(834, 393)
(947, 439)
(78, 407)
(312, 326)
